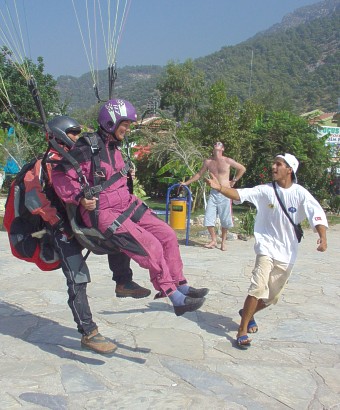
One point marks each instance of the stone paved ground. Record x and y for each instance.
(169, 362)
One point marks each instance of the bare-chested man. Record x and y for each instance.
(218, 204)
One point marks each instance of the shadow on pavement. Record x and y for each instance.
(51, 336)
(214, 323)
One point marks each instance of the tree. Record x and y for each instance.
(280, 132)
(182, 89)
(219, 118)
(225, 119)
(14, 85)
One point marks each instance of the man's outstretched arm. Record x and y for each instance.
(231, 193)
(197, 176)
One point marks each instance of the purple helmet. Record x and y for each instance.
(113, 112)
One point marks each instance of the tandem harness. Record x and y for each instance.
(92, 238)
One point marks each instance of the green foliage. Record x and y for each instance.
(138, 190)
(182, 89)
(334, 204)
(3, 154)
(280, 132)
(16, 86)
(30, 139)
(247, 222)
(293, 69)
(219, 118)
(226, 119)
(251, 136)
(88, 117)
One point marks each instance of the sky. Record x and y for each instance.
(155, 31)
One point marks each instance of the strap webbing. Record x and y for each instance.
(121, 218)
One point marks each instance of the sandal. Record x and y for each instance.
(243, 342)
(251, 324)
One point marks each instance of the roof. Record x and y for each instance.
(317, 116)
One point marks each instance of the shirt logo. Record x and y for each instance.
(292, 209)
(318, 218)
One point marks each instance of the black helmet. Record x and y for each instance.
(61, 125)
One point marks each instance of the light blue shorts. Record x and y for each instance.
(218, 205)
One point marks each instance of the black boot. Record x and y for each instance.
(197, 293)
(190, 305)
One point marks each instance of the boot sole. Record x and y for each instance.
(180, 310)
(124, 295)
(97, 350)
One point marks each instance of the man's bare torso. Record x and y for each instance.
(220, 167)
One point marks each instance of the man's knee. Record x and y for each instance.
(259, 292)
(76, 292)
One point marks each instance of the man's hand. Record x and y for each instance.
(322, 245)
(213, 182)
(322, 241)
(89, 204)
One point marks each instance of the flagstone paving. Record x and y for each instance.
(168, 362)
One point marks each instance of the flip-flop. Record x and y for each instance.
(243, 342)
(251, 323)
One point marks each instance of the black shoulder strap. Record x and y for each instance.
(281, 204)
(92, 140)
(68, 157)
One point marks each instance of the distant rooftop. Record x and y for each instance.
(324, 118)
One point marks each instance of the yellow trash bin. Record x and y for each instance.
(178, 213)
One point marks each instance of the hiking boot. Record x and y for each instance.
(131, 290)
(197, 293)
(98, 343)
(190, 305)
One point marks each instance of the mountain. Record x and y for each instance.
(135, 83)
(305, 15)
(295, 63)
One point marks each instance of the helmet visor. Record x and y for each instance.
(73, 130)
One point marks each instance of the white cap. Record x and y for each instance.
(292, 162)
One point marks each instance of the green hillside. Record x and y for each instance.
(295, 66)
(300, 65)
(136, 84)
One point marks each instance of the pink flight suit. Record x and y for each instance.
(150, 242)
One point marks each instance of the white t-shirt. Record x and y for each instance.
(274, 234)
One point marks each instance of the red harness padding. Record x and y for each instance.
(20, 224)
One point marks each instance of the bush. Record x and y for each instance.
(247, 222)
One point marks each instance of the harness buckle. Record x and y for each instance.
(95, 150)
(83, 180)
(114, 226)
(99, 174)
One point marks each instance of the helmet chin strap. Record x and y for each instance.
(107, 135)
